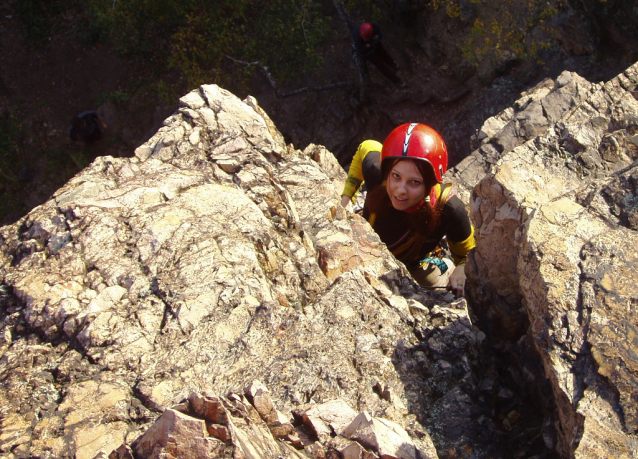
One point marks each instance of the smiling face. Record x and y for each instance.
(405, 185)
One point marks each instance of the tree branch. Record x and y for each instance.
(291, 93)
(271, 80)
(341, 84)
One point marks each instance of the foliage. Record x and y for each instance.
(10, 207)
(452, 7)
(16, 172)
(64, 163)
(213, 42)
(9, 151)
(508, 28)
(118, 96)
(165, 91)
(39, 18)
(10, 164)
(368, 10)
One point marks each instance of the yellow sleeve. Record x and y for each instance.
(461, 249)
(355, 173)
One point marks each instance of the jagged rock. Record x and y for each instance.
(218, 256)
(355, 451)
(208, 407)
(530, 116)
(562, 206)
(212, 426)
(214, 257)
(341, 444)
(336, 414)
(253, 440)
(123, 452)
(178, 435)
(259, 397)
(383, 436)
(316, 450)
(318, 427)
(278, 423)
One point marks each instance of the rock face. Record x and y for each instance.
(560, 202)
(209, 297)
(248, 426)
(214, 257)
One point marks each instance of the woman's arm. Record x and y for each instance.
(355, 173)
(460, 240)
(456, 282)
(458, 229)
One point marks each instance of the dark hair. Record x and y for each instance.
(427, 218)
(425, 169)
(78, 122)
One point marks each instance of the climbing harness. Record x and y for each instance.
(436, 258)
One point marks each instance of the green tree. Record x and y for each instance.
(212, 41)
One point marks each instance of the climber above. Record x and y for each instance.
(409, 207)
(367, 45)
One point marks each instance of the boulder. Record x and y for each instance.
(214, 257)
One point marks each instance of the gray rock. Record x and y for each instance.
(215, 257)
(566, 219)
(162, 285)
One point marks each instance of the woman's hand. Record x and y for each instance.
(456, 283)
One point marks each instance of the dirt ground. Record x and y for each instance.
(42, 89)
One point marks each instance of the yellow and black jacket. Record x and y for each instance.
(393, 228)
(410, 247)
(364, 163)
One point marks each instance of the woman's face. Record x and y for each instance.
(404, 185)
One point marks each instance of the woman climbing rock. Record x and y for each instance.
(409, 207)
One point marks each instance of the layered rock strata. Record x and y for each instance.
(145, 299)
(214, 257)
(560, 201)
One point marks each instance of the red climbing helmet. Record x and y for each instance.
(366, 30)
(417, 141)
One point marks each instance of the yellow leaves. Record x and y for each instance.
(478, 28)
(496, 28)
(453, 9)
(510, 27)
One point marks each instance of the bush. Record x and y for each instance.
(9, 151)
(11, 163)
(209, 42)
(39, 18)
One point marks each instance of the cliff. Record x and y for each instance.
(553, 183)
(214, 279)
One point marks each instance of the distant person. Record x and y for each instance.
(86, 128)
(367, 44)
